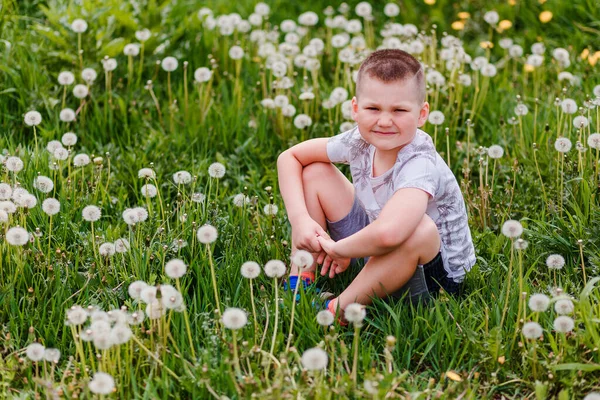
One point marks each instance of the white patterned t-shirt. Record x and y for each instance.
(418, 165)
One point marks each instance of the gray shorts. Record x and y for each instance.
(428, 278)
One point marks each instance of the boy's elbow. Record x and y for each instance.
(281, 158)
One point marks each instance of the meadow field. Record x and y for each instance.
(144, 241)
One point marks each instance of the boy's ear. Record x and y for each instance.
(423, 114)
(354, 108)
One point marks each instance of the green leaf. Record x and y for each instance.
(576, 367)
(114, 47)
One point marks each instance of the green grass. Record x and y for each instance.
(123, 126)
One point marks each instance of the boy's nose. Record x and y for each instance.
(384, 121)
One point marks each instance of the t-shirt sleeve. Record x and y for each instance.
(339, 146)
(418, 173)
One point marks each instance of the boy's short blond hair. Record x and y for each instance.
(392, 65)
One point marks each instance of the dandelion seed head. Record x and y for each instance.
(131, 49)
(155, 309)
(564, 324)
(539, 302)
(17, 236)
(5, 191)
(135, 318)
(563, 145)
(538, 48)
(391, 10)
(207, 234)
(169, 64)
(198, 197)
(568, 106)
(79, 25)
(67, 115)
(275, 268)
(580, 122)
(521, 110)
(324, 318)
(13, 164)
(89, 75)
(81, 160)
(143, 34)
(35, 352)
(91, 213)
(66, 78)
(149, 190)
(491, 17)
(8, 207)
(270, 209)
(100, 321)
(512, 228)
(51, 206)
(555, 261)
(436, 118)
(521, 244)
(175, 268)
(107, 249)
(236, 53)
(3, 216)
(314, 359)
(122, 245)
(515, 51)
(250, 270)
(43, 184)
(302, 259)
(146, 173)
(102, 383)
(489, 70)
(60, 154)
(302, 121)
(80, 91)
(495, 151)
(564, 306)
(308, 18)
(76, 315)
(532, 330)
(109, 64)
(592, 396)
(234, 318)
(355, 313)
(202, 75)
(216, 170)
(593, 141)
(120, 334)
(240, 199)
(135, 289)
(69, 139)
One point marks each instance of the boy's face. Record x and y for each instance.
(388, 114)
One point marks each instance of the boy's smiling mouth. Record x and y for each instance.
(385, 133)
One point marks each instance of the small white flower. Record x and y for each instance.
(314, 359)
(107, 249)
(60, 154)
(216, 170)
(491, 17)
(592, 396)
(17, 236)
(135, 289)
(102, 383)
(132, 49)
(302, 259)
(325, 318)
(391, 10)
(564, 306)
(53, 145)
(240, 199)
(308, 18)
(568, 106)
(89, 75)
(339, 95)
(505, 43)
(580, 122)
(270, 209)
(250, 270)
(5, 191)
(512, 228)
(275, 269)
(13, 164)
(51, 206)
(207, 234)
(8, 207)
(81, 160)
(563, 145)
(355, 313)
(43, 184)
(564, 324)
(236, 53)
(79, 25)
(202, 74)
(515, 51)
(262, 9)
(122, 245)
(521, 110)
(532, 330)
(120, 334)
(3, 216)
(594, 141)
(489, 70)
(66, 78)
(69, 139)
(91, 213)
(535, 60)
(234, 318)
(35, 352)
(281, 101)
(52, 355)
(76, 315)
(143, 35)
(539, 302)
(495, 151)
(109, 64)
(302, 121)
(175, 268)
(538, 48)
(67, 115)
(169, 64)
(436, 118)
(182, 178)
(146, 173)
(464, 80)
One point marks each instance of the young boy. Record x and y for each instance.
(404, 213)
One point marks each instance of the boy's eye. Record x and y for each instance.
(371, 108)
(400, 110)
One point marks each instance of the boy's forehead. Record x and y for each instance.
(371, 87)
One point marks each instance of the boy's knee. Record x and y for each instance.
(426, 237)
(316, 170)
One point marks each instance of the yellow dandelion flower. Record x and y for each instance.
(454, 376)
(458, 25)
(529, 68)
(464, 15)
(545, 16)
(585, 53)
(429, 2)
(486, 44)
(512, 2)
(505, 24)
(594, 59)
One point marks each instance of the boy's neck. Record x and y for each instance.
(383, 161)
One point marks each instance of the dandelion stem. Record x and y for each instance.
(355, 346)
(291, 332)
(213, 277)
(187, 323)
(169, 371)
(509, 280)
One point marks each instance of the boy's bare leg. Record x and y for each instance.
(328, 195)
(385, 274)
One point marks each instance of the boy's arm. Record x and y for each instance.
(397, 221)
(290, 164)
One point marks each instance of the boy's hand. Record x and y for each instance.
(332, 262)
(304, 235)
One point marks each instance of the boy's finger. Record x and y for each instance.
(324, 270)
(321, 257)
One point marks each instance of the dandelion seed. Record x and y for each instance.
(67, 115)
(564, 324)
(81, 160)
(155, 310)
(51, 206)
(563, 145)
(102, 383)
(182, 178)
(17, 236)
(89, 75)
(355, 313)
(202, 75)
(339, 95)
(539, 302)
(3, 216)
(489, 70)
(216, 170)
(568, 106)
(130, 216)
(555, 261)
(564, 306)
(120, 334)
(43, 184)
(270, 209)
(275, 269)
(146, 173)
(436, 118)
(91, 213)
(169, 64)
(5, 191)
(207, 234)
(234, 318)
(250, 270)
(122, 245)
(491, 17)
(236, 53)
(135, 289)
(512, 228)
(281, 101)
(593, 142)
(505, 43)
(324, 318)
(143, 35)
(35, 352)
(308, 18)
(464, 80)
(107, 249)
(132, 49)
(515, 51)
(60, 154)
(69, 139)
(79, 25)
(53, 145)
(521, 244)
(13, 164)
(80, 91)
(314, 359)
(135, 318)
(175, 268)
(532, 330)
(239, 200)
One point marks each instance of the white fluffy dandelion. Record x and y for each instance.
(51, 206)
(355, 313)
(302, 121)
(80, 91)
(169, 64)
(5, 191)
(594, 141)
(35, 352)
(564, 306)
(495, 151)
(52, 355)
(216, 170)
(436, 118)
(563, 145)
(270, 209)
(568, 106)
(69, 139)
(491, 17)
(240, 199)
(81, 160)
(109, 64)
(122, 245)
(182, 178)
(91, 213)
(76, 315)
(79, 25)
(89, 75)
(275, 268)
(391, 10)
(102, 383)
(207, 234)
(43, 184)
(236, 53)
(107, 249)
(234, 318)
(539, 302)
(131, 49)
(13, 164)
(521, 110)
(555, 261)
(314, 359)
(175, 268)
(66, 78)
(149, 190)
(146, 173)
(564, 324)
(202, 75)
(512, 228)
(250, 270)
(532, 330)
(302, 259)
(135, 289)
(324, 318)
(17, 236)
(143, 34)
(67, 115)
